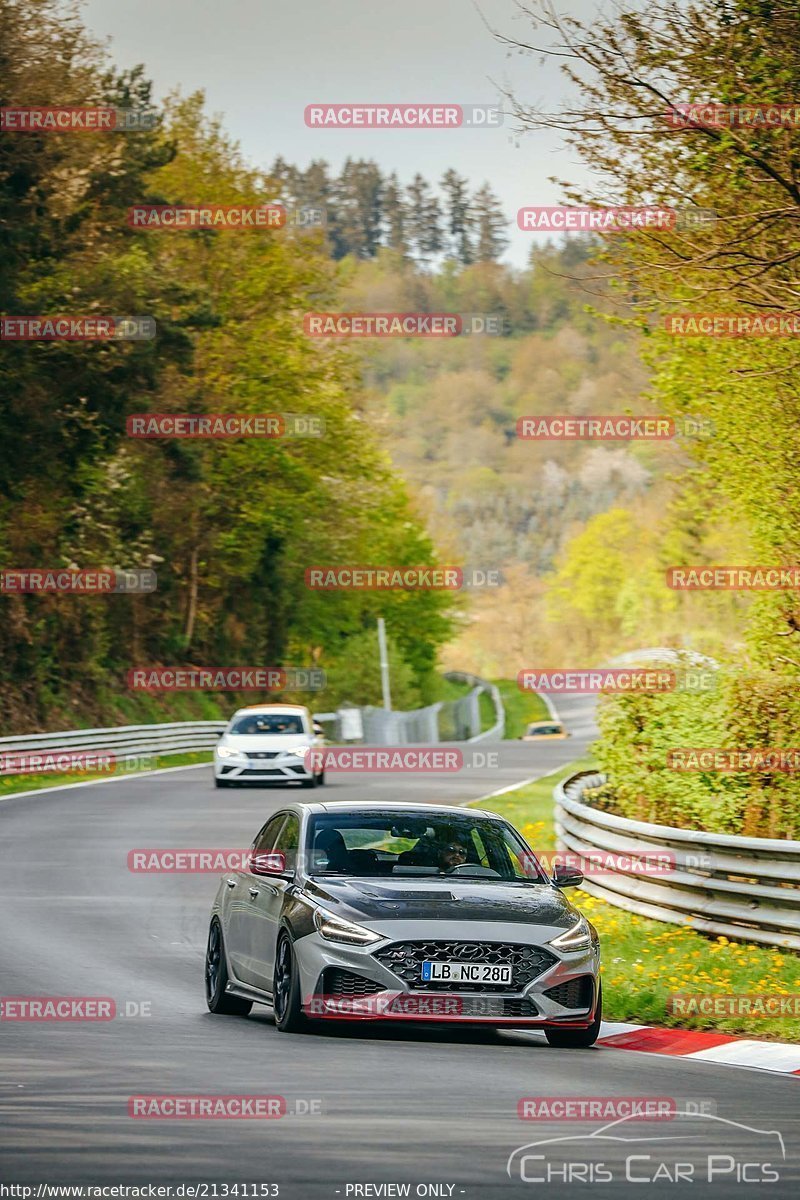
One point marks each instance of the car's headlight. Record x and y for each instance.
(300, 751)
(336, 930)
(226, 752)
(577, 937)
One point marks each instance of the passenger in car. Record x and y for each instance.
(331, 844)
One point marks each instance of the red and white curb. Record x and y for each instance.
(703, 1046)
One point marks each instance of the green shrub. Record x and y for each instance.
(747, 709)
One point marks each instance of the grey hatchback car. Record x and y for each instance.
(398, 912)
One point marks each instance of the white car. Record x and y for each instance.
(269, 743)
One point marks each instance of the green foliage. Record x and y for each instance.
(644, 961)
(521, 708)
(638, 62)
(230, 527)
(355, 677)
(744, 710)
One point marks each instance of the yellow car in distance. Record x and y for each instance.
(544, 731)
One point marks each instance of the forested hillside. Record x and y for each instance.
(228, 527)
(420, 462)
(583, 531)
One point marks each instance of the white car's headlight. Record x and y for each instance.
(577, 937)
(300, 751)
(336, 930)
(227, 753)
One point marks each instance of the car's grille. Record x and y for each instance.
(335, 982)
(263, 753)
(261, 771)
(520, 1006)
(405, 960)
(476, 1007)
(575, 993)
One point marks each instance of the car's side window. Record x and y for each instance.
(265, 840)
(288, 841)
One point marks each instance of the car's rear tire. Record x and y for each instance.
(286, 998)
(578, 1039)
(216, 973)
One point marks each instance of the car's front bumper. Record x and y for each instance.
(319, 960)
(252, 769)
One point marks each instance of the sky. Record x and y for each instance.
(260, 62)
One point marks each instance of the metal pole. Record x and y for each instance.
(384, 654)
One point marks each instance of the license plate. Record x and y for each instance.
(461, 972)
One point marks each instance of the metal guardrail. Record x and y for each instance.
(185, 737)
(174, 737)
(736, 887)
(460, 720)
(497, 731)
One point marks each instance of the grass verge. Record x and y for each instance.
(646, 961)
(11, 785)
(521, 707)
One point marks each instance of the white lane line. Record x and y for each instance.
(744, 1052)
(65, 787)
(612, 1028)
(512, 787)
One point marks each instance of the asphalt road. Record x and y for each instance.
(421, 1107)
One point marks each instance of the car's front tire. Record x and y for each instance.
(578, 1039)
(286, 998)
(217, 998)
(222, 782)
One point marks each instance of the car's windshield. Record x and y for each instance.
(267, 723)
(401, 844)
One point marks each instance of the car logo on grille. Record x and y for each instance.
(464, 950)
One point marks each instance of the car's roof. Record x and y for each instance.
(367, 806)
(272, 708)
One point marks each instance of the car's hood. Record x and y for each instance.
(421, 899)
(265, 741)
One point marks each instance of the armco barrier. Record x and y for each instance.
(184, 737)
(461, 719)
(175, 737)
(737, 887)
(497, 731)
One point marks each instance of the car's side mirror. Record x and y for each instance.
(273, 863)
(564, 876)
(318, 729)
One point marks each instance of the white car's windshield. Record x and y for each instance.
(261, 723)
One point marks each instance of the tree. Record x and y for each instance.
(229, 526)
(632, 70)
(394, 216)
(489, 224)
(358, 197)
(458, 217)
(424, 219)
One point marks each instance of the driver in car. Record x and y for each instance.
(453, 854)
